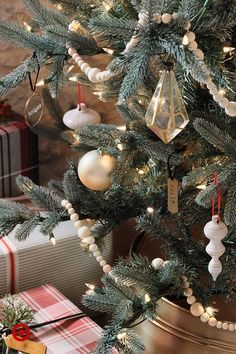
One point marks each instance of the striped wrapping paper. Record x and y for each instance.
(18, 156)
(65, 337)
(35, 261)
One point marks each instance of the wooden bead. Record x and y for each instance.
(217, 97)
(166, 263)
(157, 18)
(212, 321)
(219, 324)
(231, 109)
(196, 309)
(184, 278)
(186, 284)
(191, 300)
(231, 327)
(78, 224)
(71, 51)
(213, 91)
(107, 268)
(199, 54)
(64, 202)
(92, 74)
(204, 317)
(175, 15)
(157, 263)
(84, 66)
(99, 258)
(225, 326)
(188, 292)
(86, 71)
(74, 217)
(191, 36)
(75, 55)
(79, 61)
(166, 18)
(192, 46)
(97, 253)
(102, 263)
(224, 102)
(93, 247)
(211, 86)
(71, 211)
(89, 240)
(68, 206)
(83, 232)
(187, 26)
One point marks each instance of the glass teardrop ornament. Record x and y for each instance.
(166, 115)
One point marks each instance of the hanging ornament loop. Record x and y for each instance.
(33, 86)
(218, 197)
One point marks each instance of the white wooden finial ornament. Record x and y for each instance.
(215, 231)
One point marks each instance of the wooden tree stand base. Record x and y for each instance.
(176, 331)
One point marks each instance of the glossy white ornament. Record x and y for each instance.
(215, 231)
(231, 109)
(95, 170)
(78, 118)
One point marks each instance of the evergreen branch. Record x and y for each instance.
(41, 196)
(53, 108)
(216, 137)
(26, 227)
(57, 76)
(50, 222)
(44, 15)
(230, 206)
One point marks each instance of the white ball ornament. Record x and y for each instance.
(215, 231)
(95, 170)
(231, 109)
(157, 263)
(80, 117)
(196, 309)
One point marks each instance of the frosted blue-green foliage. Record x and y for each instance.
(207, 145)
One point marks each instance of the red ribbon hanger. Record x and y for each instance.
(81, 96)
(218, 197)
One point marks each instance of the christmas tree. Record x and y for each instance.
(172, 73)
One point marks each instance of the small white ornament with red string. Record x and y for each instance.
(215, 230)
(85, 234)
(81, 117)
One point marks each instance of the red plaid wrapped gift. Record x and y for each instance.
(65, 337)
(18, 152)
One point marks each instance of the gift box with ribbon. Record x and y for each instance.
(61, 327)
(29, 263)
(18, 151)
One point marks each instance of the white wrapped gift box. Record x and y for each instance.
(35, 261)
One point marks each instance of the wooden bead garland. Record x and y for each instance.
(94, 74)
(84, 233)
(196, 308)
(189, 40)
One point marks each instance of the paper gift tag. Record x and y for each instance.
(26, 346)
(172, 192)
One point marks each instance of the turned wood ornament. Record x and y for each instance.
(80, 117)
(215, 231)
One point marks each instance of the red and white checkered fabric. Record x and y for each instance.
(65, 337)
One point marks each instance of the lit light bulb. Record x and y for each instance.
(227, 49)
(141, 172)
(40, 83)
(98, 93)
(150, 210)
(90, 286)
(222, 92)
(121, 335)
(121, 127)
(59, 7)
(147, 298)
(73, 78)
(108, 50)
(53, 240)
(71, 67)
(201, 186)
(211, 311)
(27, 26)
(120, 146)
(140, 101)
(106, 6)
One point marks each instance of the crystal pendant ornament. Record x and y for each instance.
(215, 231)
(33, 109)
(81, 117)
(166, 115)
